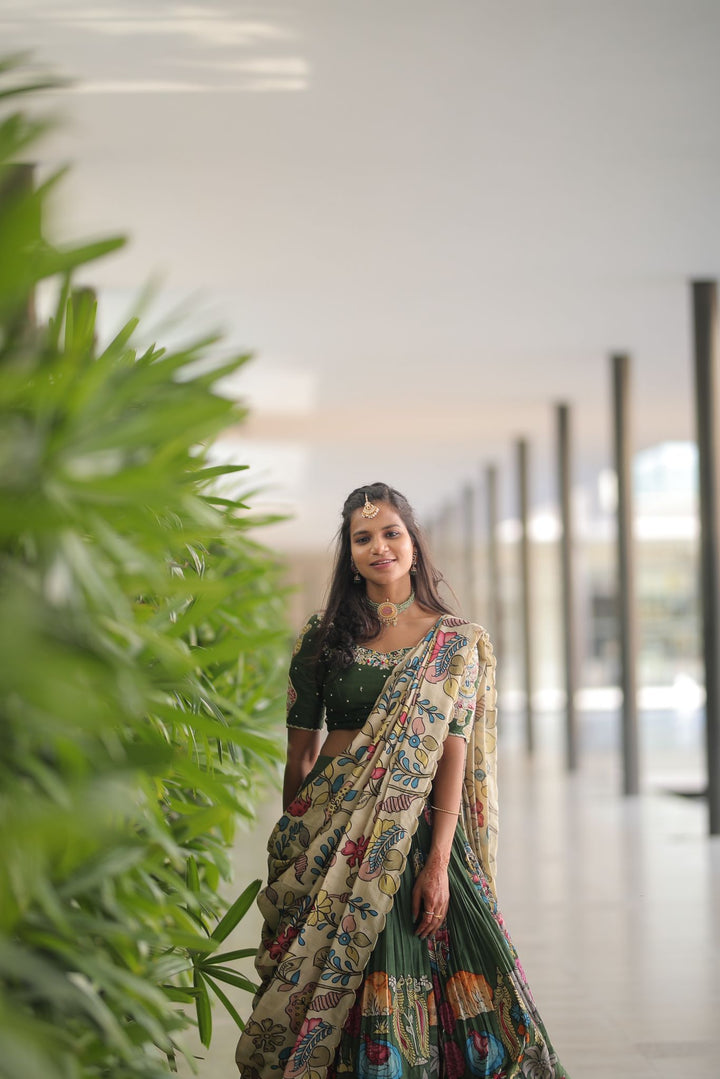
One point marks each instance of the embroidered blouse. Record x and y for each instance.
(344, 698)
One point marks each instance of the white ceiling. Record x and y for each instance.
(430, 220)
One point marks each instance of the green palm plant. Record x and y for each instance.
(141, 629)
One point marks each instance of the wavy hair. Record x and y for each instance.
(348, 618)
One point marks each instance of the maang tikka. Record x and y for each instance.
(369, 511)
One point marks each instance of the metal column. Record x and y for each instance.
(706, 388)
(626, 574)
(567, 576)
(468, 551)
(494, 616)
(526, 604)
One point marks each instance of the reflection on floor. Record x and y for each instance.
(613, 904)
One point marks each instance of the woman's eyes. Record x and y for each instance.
(388, 535)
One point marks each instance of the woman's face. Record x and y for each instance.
(381, 546)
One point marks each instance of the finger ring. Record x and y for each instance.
(431, 913)
(438, 916)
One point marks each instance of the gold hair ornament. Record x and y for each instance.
(369, 510)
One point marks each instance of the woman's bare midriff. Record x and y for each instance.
(337, 742)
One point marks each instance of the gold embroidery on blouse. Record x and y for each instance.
(368, 657)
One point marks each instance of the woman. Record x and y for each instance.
(383, 952)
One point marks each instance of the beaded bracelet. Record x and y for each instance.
(441, 810)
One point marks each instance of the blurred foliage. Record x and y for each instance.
(140, 637)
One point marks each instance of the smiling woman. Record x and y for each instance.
(381, 557)
(383, 953)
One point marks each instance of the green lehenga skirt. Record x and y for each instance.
(454, 1005)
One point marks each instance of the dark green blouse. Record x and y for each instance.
(344, 698)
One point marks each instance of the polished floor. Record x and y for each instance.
(613, 904)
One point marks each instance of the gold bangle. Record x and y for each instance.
(441, 810)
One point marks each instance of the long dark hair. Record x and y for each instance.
(348, 617)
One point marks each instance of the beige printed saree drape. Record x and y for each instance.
(337, 854)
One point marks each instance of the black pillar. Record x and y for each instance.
(626, 573)
(706, 389)
(525, 581)
(494, 616)
(567, 576)
(468, 549)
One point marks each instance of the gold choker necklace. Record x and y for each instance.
(388, 612)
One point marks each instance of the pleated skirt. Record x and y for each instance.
(456, 1004)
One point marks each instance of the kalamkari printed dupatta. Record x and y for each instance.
(337, 854)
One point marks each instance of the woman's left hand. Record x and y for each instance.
(430, 898)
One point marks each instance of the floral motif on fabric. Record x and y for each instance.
(469, 994)
(377, 997)
(447, 661)
(464, 708)
(379, 1060)
(539, 1063)
(411, 1018)
(266, 1035)
(485, 1054)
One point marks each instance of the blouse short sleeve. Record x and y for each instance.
(463, 713)
(305, 697)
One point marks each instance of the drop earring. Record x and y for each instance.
(356, 575)
(413, 566)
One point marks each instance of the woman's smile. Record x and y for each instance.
(382, 551)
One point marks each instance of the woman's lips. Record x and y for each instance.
(385, 562)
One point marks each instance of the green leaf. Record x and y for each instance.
(237, 912)
(57, 261)
(227, 1003)
(192, 877)
(228, 957)
(214, 471)
(141, 629)
(232, 978)
(179, 996)
(202, 1009)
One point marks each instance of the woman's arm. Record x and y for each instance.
(304, 709)
(302, 752)
(432, 891)
(446, 796)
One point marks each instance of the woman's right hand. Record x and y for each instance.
(430, 898)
